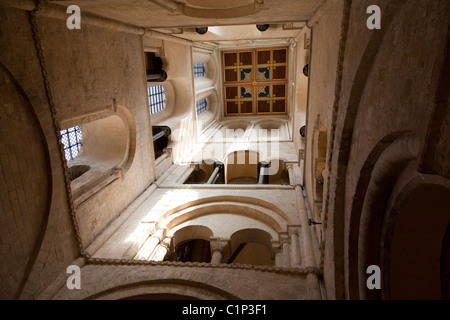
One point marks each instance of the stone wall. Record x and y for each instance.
(389, 82)
(38, 237)
(91, 70)
(197, 281)
(87, 72)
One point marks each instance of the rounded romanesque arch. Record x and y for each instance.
(355, 114)
(398, 148)
(189, 243)
(264, 212)
(384, 169)
(241, 167)
(251, 246)
(26, 185)
(414, 240)
(167, 288)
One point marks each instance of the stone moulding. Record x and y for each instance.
(123, 262)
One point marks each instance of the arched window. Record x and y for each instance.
(196, 250)
(71, 139)
(106, 154)
(156, 98)
(202, 105)
(199, 70)
(251, 246)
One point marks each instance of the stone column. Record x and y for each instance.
(285, 251)
(218, 250)
(217, 256)
(217, 168)
(263, 172)
(296, 260)
(309, 260)
(276, 254)
(278, 260)
(290, 168)
(161, 250)
(149, 245)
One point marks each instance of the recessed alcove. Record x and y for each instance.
(76, 171)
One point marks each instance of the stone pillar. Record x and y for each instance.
(218, 166)
(218, 249)
(296, 260)
(161, 250)
(149, 245)
(285, 251)
(309, 261)
(290, 168)
(276, 254)
(217, 256)
(263, 172)
(278, 260)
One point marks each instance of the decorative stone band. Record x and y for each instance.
(56, 125)
(123, 262)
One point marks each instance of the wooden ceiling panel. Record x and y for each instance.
(255, 81)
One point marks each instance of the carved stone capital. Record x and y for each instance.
(290, 165)
(284, 238)
(276, 248)
(294, 230)
(221, 245)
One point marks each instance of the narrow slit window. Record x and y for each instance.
(202, 106)
(156, 99)
(199, 70)
(72, 140)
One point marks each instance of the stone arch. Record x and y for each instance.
(351, 251)
(276, 211)
(251, 211)
(250, 235)
(31, 82)
(260, 251)
(189, 233)
(205, 86)
(178, 103)
(201, 172)
(383, 168)
(340, 146)
(195, 237)
(109, 145)
(278, 172)
(241, 166)
(270, 124)
(180, 287)
(29, 164)
(232, 130)
(412, 247)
